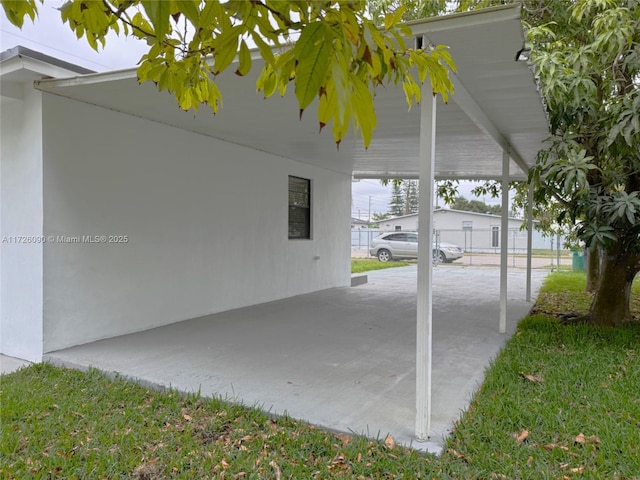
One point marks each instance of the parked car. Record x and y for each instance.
(405, 245)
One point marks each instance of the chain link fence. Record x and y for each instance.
(482, 246)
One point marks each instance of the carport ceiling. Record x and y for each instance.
(497, 105)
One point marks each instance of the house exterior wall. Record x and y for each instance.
(200, 225)
(408, 222)
(481, 237)
(21, 225)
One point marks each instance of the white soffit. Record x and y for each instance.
(483, 44)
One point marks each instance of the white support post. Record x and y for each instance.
(529, 238)
(425, 263)
(504, 239)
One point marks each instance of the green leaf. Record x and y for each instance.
(390, 19)
(245, 60)
(142, 25)
(226, 47)
(189, 9)
(17, 10)
(411, 91)
(265, 50)
(208, 15)
(158, 12)
(267, 81)
(327, 105)
(312, 53)
(363, 109)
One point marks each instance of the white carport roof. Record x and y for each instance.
(496, 107)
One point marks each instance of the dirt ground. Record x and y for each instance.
(491, 259)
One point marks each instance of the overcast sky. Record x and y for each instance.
(50, 36)
(371, 192)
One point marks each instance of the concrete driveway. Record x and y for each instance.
(342, 358)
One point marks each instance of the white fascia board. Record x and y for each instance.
(22, 66)
(49, 85)
(124, 74)
(11, 65)
(465, 19)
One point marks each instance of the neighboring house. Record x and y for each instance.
(478, 232)
(356, 223)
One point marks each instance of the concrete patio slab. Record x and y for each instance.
(11, 364)
(342, 358)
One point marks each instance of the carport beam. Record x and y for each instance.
(425, 263)
(504, 240)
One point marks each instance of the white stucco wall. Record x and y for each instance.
(21, 225)
(206, 223)
(409, 222)
(450, 225)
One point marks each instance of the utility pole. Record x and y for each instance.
(369, 209)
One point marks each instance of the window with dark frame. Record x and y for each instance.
(495, 237)
(299, 208)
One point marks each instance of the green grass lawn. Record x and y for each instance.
(558, 402)
(359, 265)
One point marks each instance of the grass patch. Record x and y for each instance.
(557, 402)
(546, 252)
(59, 423)
(359, 265)
(564, 292)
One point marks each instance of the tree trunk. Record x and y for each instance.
(592, 266)
(610, 304)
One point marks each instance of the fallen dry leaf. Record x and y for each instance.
(146, 472)
(531, 378)
(577, 469)
(276, 468)
(458, 455)
(455, 453)
(389, 442)
(551, 446)
(580, 438)
(593, 439)
(345, 439)
(522, 436)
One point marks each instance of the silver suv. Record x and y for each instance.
(405, 245)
